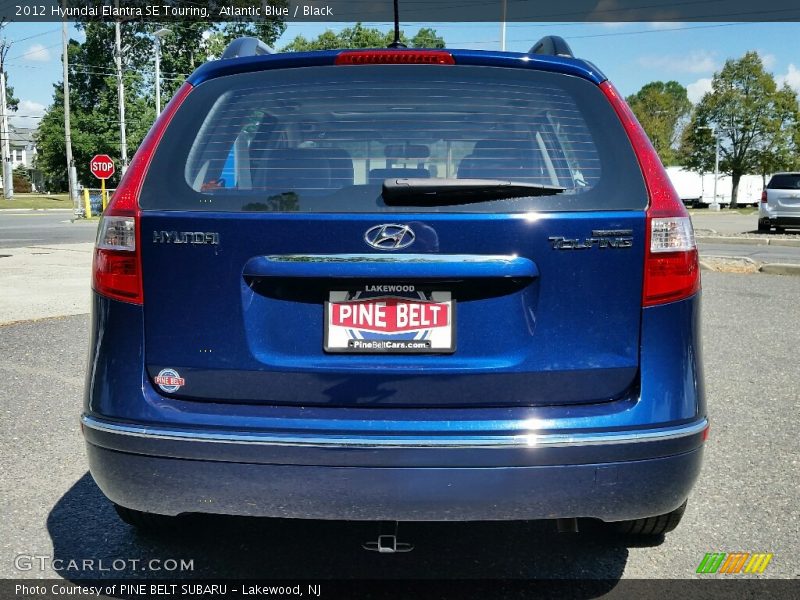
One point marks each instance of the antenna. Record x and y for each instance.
(396, 43)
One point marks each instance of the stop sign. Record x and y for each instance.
(102, 166)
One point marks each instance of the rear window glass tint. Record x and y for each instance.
(784, 182)
(323, 139)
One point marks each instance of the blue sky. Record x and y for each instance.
(631, 54)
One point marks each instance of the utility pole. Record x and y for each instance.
(72, 177)
(158, 75)
(157, 47)
(8, 177)
(715, 204)
(123, 143)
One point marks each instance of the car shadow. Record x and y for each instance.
(83, 526)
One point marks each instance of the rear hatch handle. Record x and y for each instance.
(395, 266)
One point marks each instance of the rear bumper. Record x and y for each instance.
(785, 221)
(780, 216)
(609, 475)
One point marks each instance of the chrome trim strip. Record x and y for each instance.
(529, 440)
(493, 259)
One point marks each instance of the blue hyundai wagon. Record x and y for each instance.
(397, 285)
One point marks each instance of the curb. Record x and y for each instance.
(747, 241)
(729, 264)
(69, 210)
(780, 269)
(743, 264)
(792, 243)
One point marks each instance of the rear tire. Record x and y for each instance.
(764, 226)
(144, 521)
(651, 526)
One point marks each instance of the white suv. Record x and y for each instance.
(780, 203)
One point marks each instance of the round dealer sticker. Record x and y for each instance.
(169, 380)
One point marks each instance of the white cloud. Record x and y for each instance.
(698, 61)
(767, 59)
(665, 24)
(37, 53)
(26, 114)
(696, 90)
(792, 77)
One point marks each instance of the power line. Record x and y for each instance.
(35, 35)
(34, 51)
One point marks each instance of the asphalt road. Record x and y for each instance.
(724, 222)
(746, 499)
(765, 254)
(29, 228)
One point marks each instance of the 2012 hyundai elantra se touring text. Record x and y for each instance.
(397, 285)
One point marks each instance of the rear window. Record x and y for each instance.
(785, 182)
(323, 139)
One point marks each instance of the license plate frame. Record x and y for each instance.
(437, 339)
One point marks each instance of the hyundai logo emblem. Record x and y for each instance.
(389, 236)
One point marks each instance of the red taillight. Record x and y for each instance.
(672, 269)
(706, 432)
(117, 269)
(117, 275)
(394, 57)
(764, 197)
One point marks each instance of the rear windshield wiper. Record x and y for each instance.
(435, 192)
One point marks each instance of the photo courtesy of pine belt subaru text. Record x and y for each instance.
(397, 285)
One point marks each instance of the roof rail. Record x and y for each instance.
(246, 46)
(552, 45)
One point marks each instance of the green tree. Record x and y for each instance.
(780, 148)
(94, 106)
(22, 179)
(359, 36)
(697, 148)
(51, 157)
(12, 102)
(427, 38)
(662, 108)
(755, 121)
(93, 87)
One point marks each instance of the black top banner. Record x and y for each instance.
(411, 11)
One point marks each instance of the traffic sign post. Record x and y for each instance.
(102, 167)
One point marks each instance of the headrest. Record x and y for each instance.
(294, 170)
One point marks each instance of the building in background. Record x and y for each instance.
(22, 147)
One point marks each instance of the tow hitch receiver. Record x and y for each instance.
(387, 541)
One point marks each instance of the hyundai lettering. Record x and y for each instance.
(397, 285)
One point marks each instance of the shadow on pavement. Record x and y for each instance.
(83, 525)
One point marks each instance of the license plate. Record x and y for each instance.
(389, 319)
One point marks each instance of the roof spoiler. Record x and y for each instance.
(552, 45)
(246, 46)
